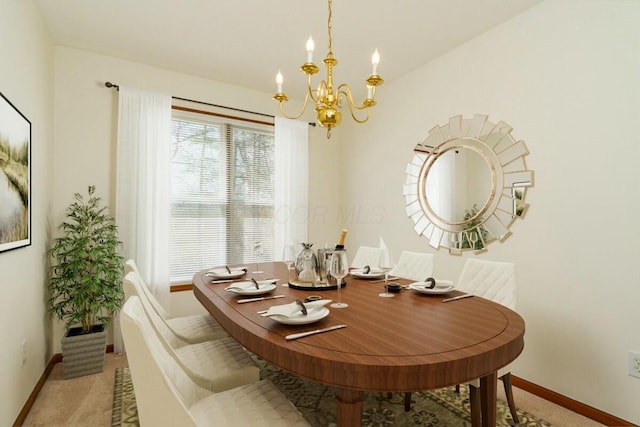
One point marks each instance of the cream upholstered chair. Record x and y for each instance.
(413, 266)
(215, 365)
(366, 255)
(495, 281)
(167, 396)
(190, 329)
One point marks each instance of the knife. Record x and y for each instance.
(457, 298)
(382, 280)
(226, 280)
(317, 331)
(259, 299)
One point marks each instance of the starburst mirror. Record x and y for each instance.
(467, 184)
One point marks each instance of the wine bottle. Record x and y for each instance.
(343, 236)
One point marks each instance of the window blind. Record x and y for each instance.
(222, 192)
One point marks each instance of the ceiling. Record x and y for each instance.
(246, 42)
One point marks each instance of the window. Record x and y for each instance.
(222, 193)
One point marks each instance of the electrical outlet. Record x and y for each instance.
(24, 352)
(633, 364)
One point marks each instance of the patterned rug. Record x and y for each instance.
(441, 408)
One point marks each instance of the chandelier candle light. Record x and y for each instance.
(328, 101)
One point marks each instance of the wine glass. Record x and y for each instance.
(258, 250)
(288, 256)
(473, 238)
(339, 268)
(385, 263)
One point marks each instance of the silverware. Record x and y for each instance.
(317, 331)
(382, 280)
(457, 298)
(259, 299)
(302, 307)
(226, 281)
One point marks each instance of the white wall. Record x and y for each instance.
(26, 78)
(565, 75)
(85, 133)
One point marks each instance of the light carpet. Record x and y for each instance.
(441, 408)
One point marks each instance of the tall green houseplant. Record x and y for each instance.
(86, 277)
(85, 286)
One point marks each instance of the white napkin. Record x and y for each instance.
(223, 271)
(440, 284)
(247, 286)
(288, 310)
(373, 270)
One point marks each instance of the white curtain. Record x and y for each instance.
(142, 189)
(291, 204)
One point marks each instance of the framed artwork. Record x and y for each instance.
(15, 177)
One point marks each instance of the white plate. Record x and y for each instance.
(222, 273)
(373, 274)
(313, 315)
(423, 288)
(249, 288)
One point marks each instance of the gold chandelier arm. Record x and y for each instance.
(344, 90)
(304, 106)
(319, 93)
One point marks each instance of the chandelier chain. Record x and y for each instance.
(330, 28)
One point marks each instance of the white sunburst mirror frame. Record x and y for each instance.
(438, 184)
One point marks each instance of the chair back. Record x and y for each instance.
(130, 266)
(489, 279)
(133, 286)
(366, 255)
(163, 390)
(414, 266)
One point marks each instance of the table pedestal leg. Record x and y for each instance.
(488, 399)
(349, 408)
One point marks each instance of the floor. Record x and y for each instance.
(87, 401)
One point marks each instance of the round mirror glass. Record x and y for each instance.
(459, 178)
(466, 184)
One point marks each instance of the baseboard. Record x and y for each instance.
(566, 402)
(56, 358)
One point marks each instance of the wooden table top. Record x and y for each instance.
(407, 343)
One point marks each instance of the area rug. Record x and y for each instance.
(316, 402)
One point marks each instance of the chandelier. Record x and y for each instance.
(328, 99)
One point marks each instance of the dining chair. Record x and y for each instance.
(413, 266)
(495, 281)
(215, 365)
(190, 329)
(167, 396)
(366, 255)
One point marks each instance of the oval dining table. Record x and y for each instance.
(411, 342)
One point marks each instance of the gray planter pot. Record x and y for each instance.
(83, 354)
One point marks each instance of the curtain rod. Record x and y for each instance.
(117, 87)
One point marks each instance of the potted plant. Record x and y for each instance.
(85, 286)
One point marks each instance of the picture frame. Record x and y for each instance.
(15, 177)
